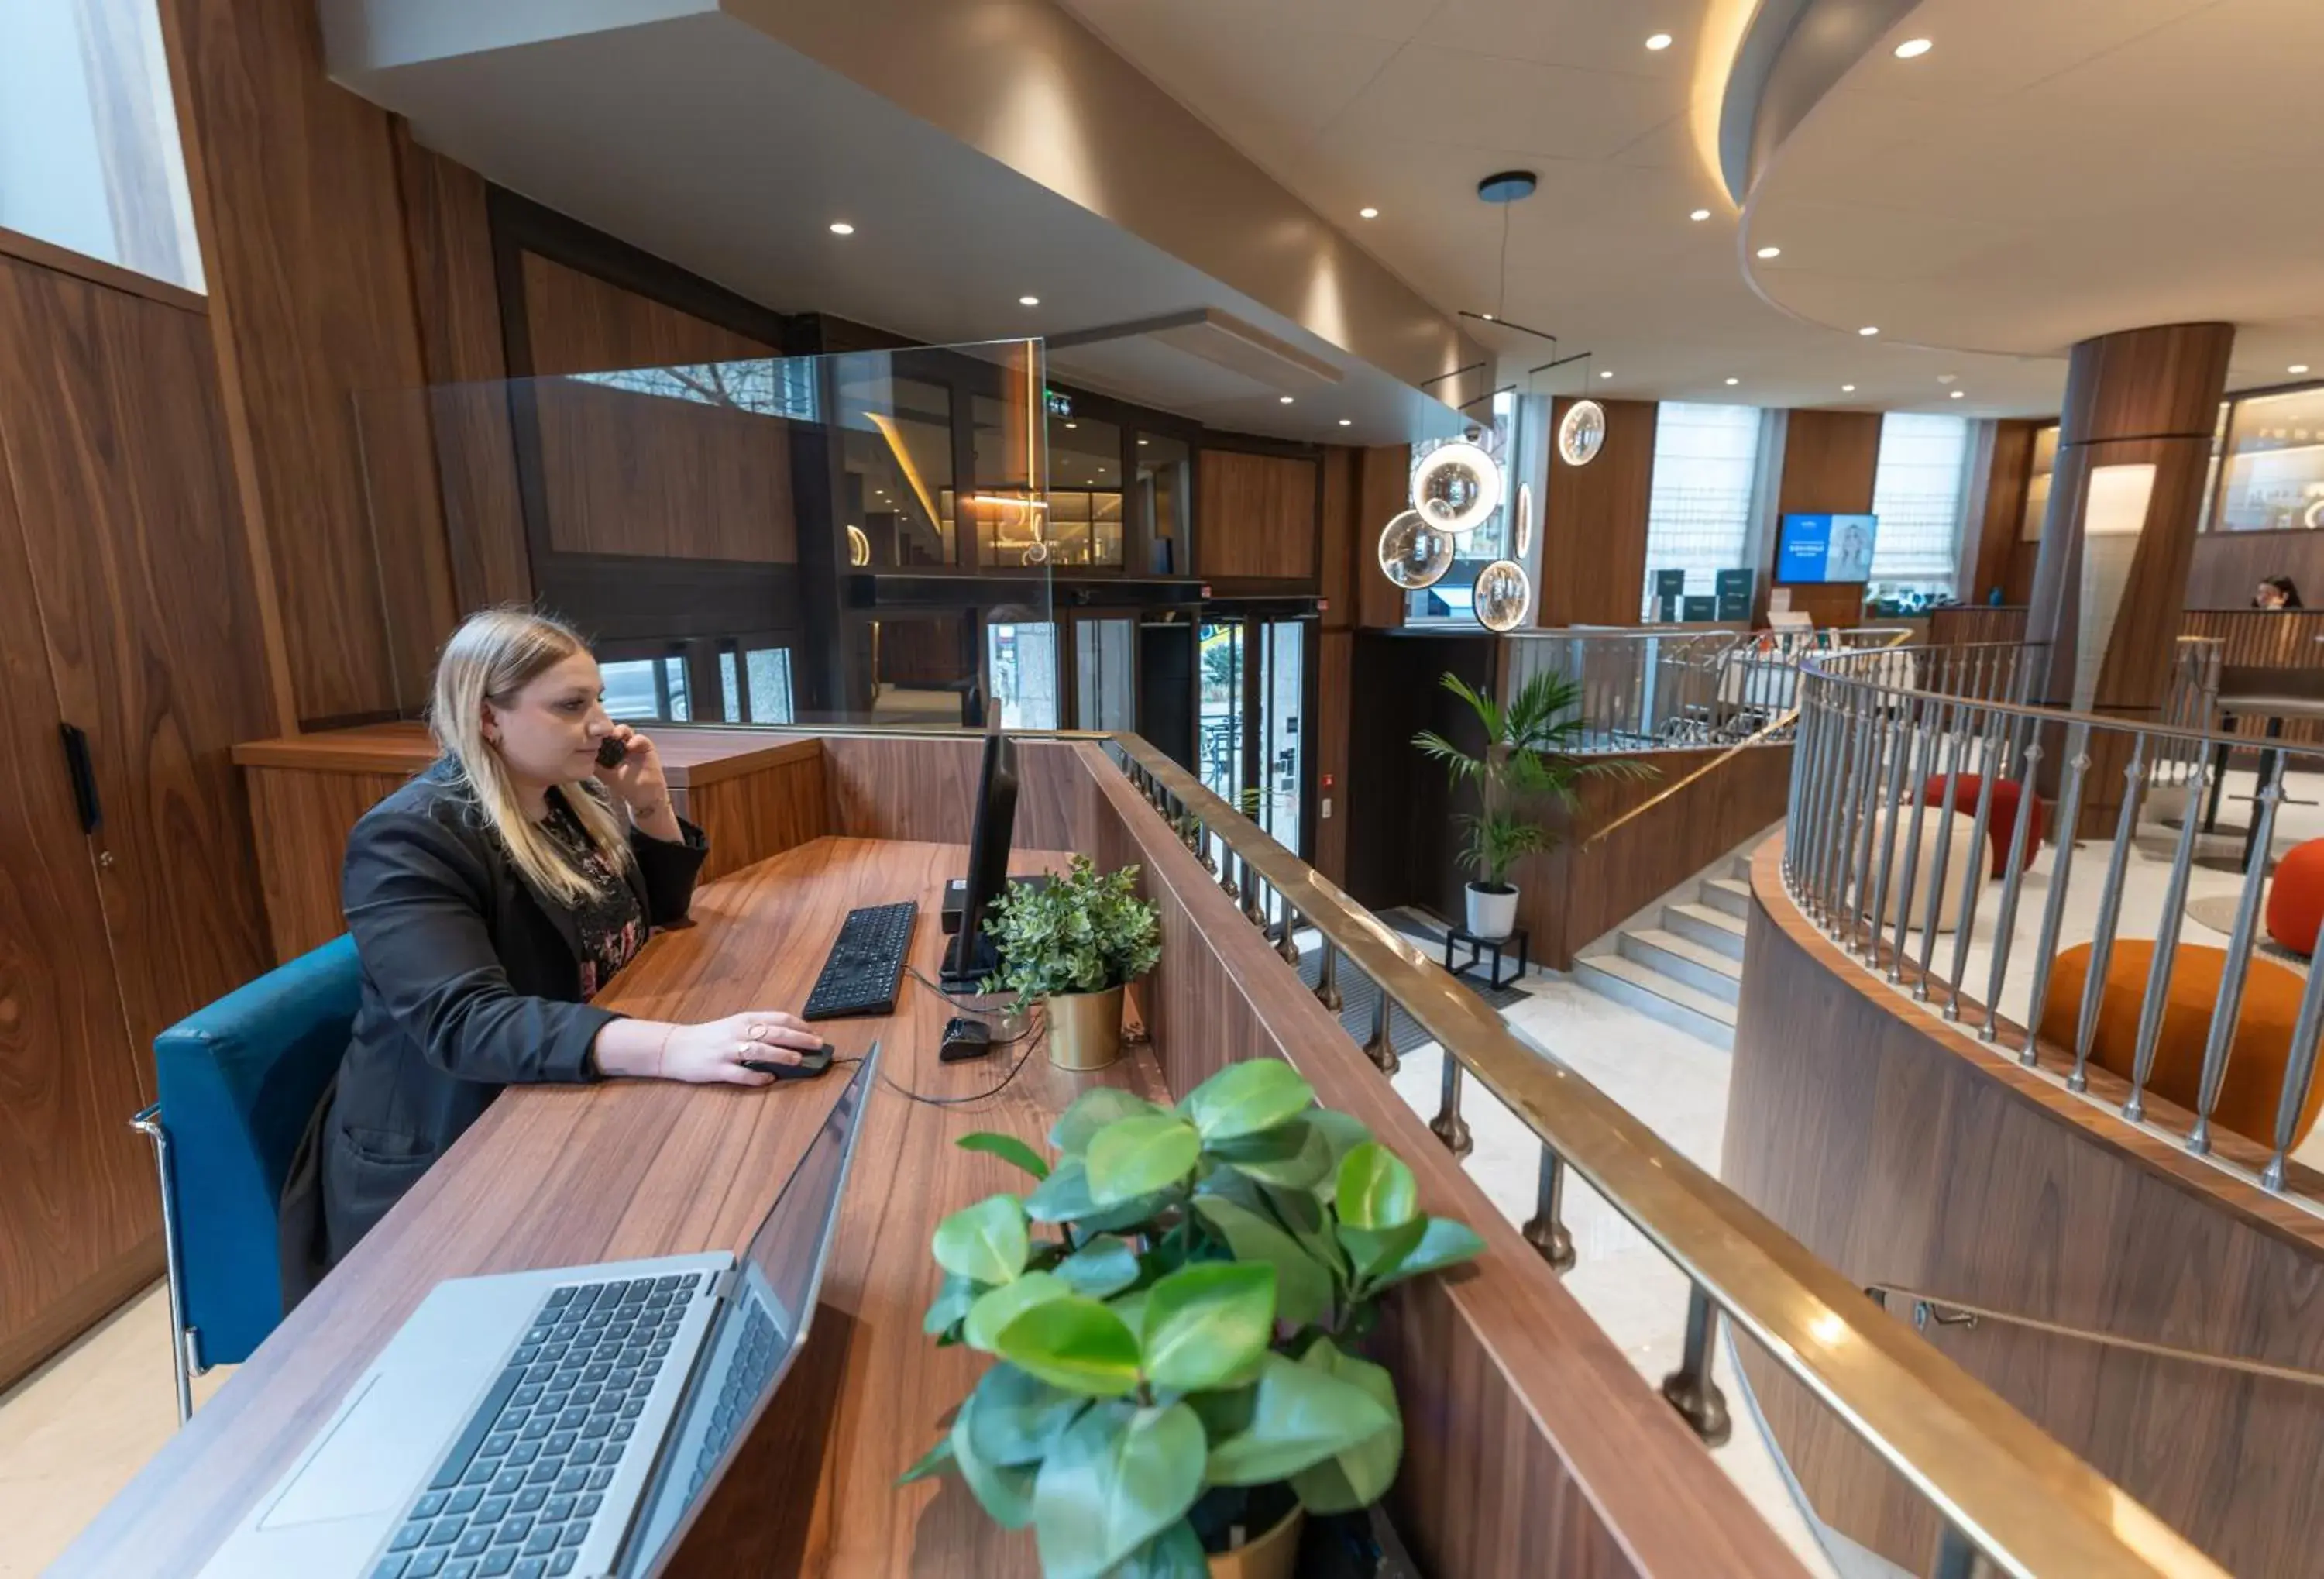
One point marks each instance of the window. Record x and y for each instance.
(1023, 660)
(90, 157)
(769, 669)
(2274, 477)
(1917, 490)
(1698, 509)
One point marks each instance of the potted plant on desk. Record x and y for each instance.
(1175, 1312)
(1074, 944)
(1529, 756)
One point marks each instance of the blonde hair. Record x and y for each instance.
(491, 658)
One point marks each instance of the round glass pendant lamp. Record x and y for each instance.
(1503, 596)
(1457, 487)
(1524, 520)
(1582, 432)
(1413, 554)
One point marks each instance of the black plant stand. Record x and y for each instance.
(1497, 946)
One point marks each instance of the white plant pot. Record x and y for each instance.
(1492, 914)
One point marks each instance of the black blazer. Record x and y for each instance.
(471, 982)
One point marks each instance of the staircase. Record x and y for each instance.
(1688, 971)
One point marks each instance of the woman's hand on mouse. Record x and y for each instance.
(708, 1054)
(714, 1052)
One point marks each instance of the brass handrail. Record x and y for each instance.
(2032, 1506)
(1897, 639)
(1940, 1302)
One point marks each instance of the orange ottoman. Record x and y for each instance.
(2295, 897)
(2000, 821)
(2256, 1058)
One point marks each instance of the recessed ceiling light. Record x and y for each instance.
(1606, 373)
(1913, 48)
(1661, 41)
(1028, 301)
(1489, 318)
(2297, 367)
(1072, 424)
(1959, 393)
(1847, 388)
(1346, 422)
(1699, 215)
(1771, 252)
(841, 228)
(1367, 213)
(1734, 381)
(1142, 442)
(1869, 330)
(1284, 399)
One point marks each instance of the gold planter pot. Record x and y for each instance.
(1085, 1029)
(1271, 1556)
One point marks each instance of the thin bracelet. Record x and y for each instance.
(638, 814)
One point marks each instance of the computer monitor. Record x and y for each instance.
(970, 958)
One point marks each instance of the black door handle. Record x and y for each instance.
(83, 778)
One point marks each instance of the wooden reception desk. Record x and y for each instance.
(1533, 1445)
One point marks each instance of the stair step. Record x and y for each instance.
(1740, 867)
(1701, 924)
(1706, 970)
(1730, 894)
(1658, 996)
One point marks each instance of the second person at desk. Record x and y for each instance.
(491, 899)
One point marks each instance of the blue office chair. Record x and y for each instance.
(238, 1081)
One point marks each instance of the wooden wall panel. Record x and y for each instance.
(1581, 890)
(110, 410)
(663, 477)
(751, 816)
(1830, 459)
(1902, 1150)
(1256, 517)
(1383, 491)
(449, 231)
(2229, 566)
(903, 787)
(78, 1215)
(307, 818)
(1593, 524)
(579, 323)
(1972, 623)
(311, 295)
(1996, 509)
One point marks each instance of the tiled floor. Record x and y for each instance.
(73, 1433)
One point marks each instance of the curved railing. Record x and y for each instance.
(2001, 1486)
(1906, 846)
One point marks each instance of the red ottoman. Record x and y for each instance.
(2295, 897)
(2001, 820)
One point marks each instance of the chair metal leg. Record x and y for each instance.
(148, 1123)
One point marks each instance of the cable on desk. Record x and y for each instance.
(1031, 1042)
(991, 1017)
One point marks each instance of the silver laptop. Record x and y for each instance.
(559, 1422)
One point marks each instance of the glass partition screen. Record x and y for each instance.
(861, 539)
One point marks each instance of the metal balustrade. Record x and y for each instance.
(1885, 743)
(2006, 1494)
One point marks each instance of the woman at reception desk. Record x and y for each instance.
(491, 899)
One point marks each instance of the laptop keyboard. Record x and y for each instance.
(754, 1361)
(520, 1490)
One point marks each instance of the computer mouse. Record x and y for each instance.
(809, 1066)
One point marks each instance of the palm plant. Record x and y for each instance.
(1531, 755)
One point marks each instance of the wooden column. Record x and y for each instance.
(2141, 397)
(1830, 462)
(1593, 527)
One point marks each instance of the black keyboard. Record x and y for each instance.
(521, 1487)
(860, 974)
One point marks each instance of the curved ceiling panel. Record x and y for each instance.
(2053, 169)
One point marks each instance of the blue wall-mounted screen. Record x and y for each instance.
(1826, 548)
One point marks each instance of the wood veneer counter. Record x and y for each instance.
(555, 1176)
(691, 756)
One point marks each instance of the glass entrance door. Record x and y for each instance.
(1282, 767)
(1219, 718)
(1106, 673)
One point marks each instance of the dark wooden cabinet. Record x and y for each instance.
(128, 611)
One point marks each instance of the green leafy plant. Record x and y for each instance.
(1175, 1312)
(1079, 933)
(1529, 757)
